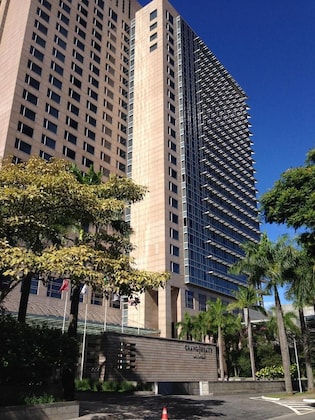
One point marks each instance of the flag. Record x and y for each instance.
(84, 290)
(65, 286)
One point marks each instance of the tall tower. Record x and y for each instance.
(189, 143)
(64, 80)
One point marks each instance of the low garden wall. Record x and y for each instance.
(53, 411)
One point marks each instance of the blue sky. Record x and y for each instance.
(269, 48)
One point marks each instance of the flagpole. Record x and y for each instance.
(64, 313)
(84, 339)
(105, 312)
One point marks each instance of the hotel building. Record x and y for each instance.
(134, 91)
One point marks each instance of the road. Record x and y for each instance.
(234, 407)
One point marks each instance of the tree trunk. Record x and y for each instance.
(221, 351)
(74, 311)
(250, 344)
(25, 292)
(283, 344)
(307, 351)
(69, 371)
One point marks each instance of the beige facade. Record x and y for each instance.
(134, 91)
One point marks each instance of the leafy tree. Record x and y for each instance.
(52, 224)
(248, 298)
(292, 200)
(272, 265)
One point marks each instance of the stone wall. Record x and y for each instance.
(151, 359)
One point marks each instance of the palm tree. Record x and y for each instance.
(248, 298)
(271, 264)
(302, 292)
(217, 317)
(186, 327)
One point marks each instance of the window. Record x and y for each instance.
(189, 299)
(60, 42)
(50, 126)
(172, 132)
(32, 82)
(78, 56)
(53, 288)
(93, 81)
(173, 187)
(30, 97)
(98, 13)
(92, 94)
(54, 96)
(153, 36)
(36, 53)
(174, 267)
(25, 129)
(94, 69)
(90, 120)
(173, 173)
(88, 148)
(80, 32)
(23, 146)
(113, 15)
(70, 137)
(62, 30)
(96, 34)
(79, 44)
(153, 26)
(42, 14)
(72, 108)
(71, 122)
(75, 95)
(172, 145)
(34, 286)
(28, 113)
(90, 134)
(59, 55)
(169, 17)
(91, 107)
(173, 202)
(44, 155)
(82, 10)
(68, 152)
(64, 6)
(63, 18)
(100, 3)
(96, 45)
(172, 159)
(76, 82)
(46, 4)
(34, 67)
(105, 157)
(52, 111)
(42, 28)
(87, 162)
(77, 68)
(153, 14)
(174, 234)
(58, 69)
(54, 81)
(97, 24)
(39, 40)
(174, 250)
(96, 298)
(202, 302)
(48, 141)
(95, 57)
(81, 21)
(174, 218)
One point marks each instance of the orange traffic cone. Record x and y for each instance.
(164, 414)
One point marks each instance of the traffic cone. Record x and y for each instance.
(164, 414)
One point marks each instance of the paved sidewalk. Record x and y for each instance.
(149, 407)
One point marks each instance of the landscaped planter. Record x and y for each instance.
(52, 411)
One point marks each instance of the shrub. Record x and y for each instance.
(275, 372)
(42, 399)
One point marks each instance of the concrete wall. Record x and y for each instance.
(152, 359)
